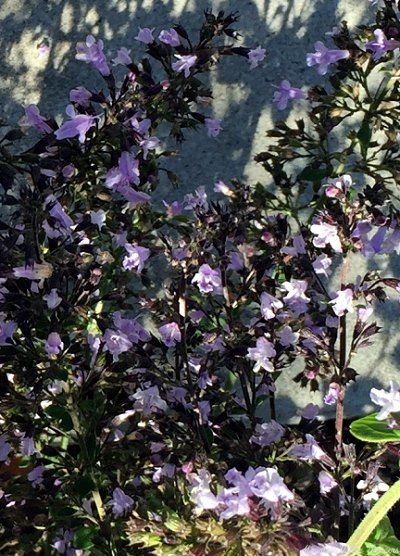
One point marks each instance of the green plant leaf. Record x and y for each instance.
(369, 429)
(382, 541)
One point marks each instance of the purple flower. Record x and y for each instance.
(36, 475)
(125, 173)
(116, 342)
(145, 35)
(207, 279)
(149, 144)
(79, 124)
(121, 503)
(309, 412)
(184, 63)
(269, 305)
(333, 394)
(287, 337)
(262, 354)
(123, 57)
(213, 127)
(170, 334)
(200, 492)
(52, 299)
(33, 118)
(325, 549)
(7, 329)
(342, 302)
(255, 56)
(53, 344)
(298, 248)
(132, 329)
(381, 44)
(322, 264)
(326, 482)
(285, 93)
(389, 401)
(148, 401)
(170, 37)
(267, 433)
(310, 451)
(136, 257)
(92, 52)
(296, 298)
(5, 447)
(81, 96)
(323, 57)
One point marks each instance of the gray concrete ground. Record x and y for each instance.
(286, 28)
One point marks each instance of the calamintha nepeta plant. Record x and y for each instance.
(140, 346)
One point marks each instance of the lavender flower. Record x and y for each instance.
(170, 334)
(92, 52)
(269, 305)
(81, 96)
(123, 57)
(310, 451)
(285, 93)
(33, 118)
(79, 124)
(326, 482)
(342, 302)
(53, 300)
(267, 433)
(381, 44)
(323, 57)
(54, 344)
(7, 329)
(148, 401)
(325, 549)
(389, 401)
(184, 63)
(121, 503)
(213, 127)
(170, 37)
(145, 35)
(5, 447)
(116, 342)
(262, 355)
(136, 257)
(326, 234)
(255, 56)
(207, 279)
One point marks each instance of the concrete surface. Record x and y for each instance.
(286, 28)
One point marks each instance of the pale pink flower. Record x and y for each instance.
(326, 234)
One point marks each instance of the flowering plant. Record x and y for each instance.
(141, 345)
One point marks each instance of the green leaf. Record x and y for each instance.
(83, 538)
(382, 541)
(61, 415)
(83, 485)
(364, 135)
(312, 174)
(369, 429)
